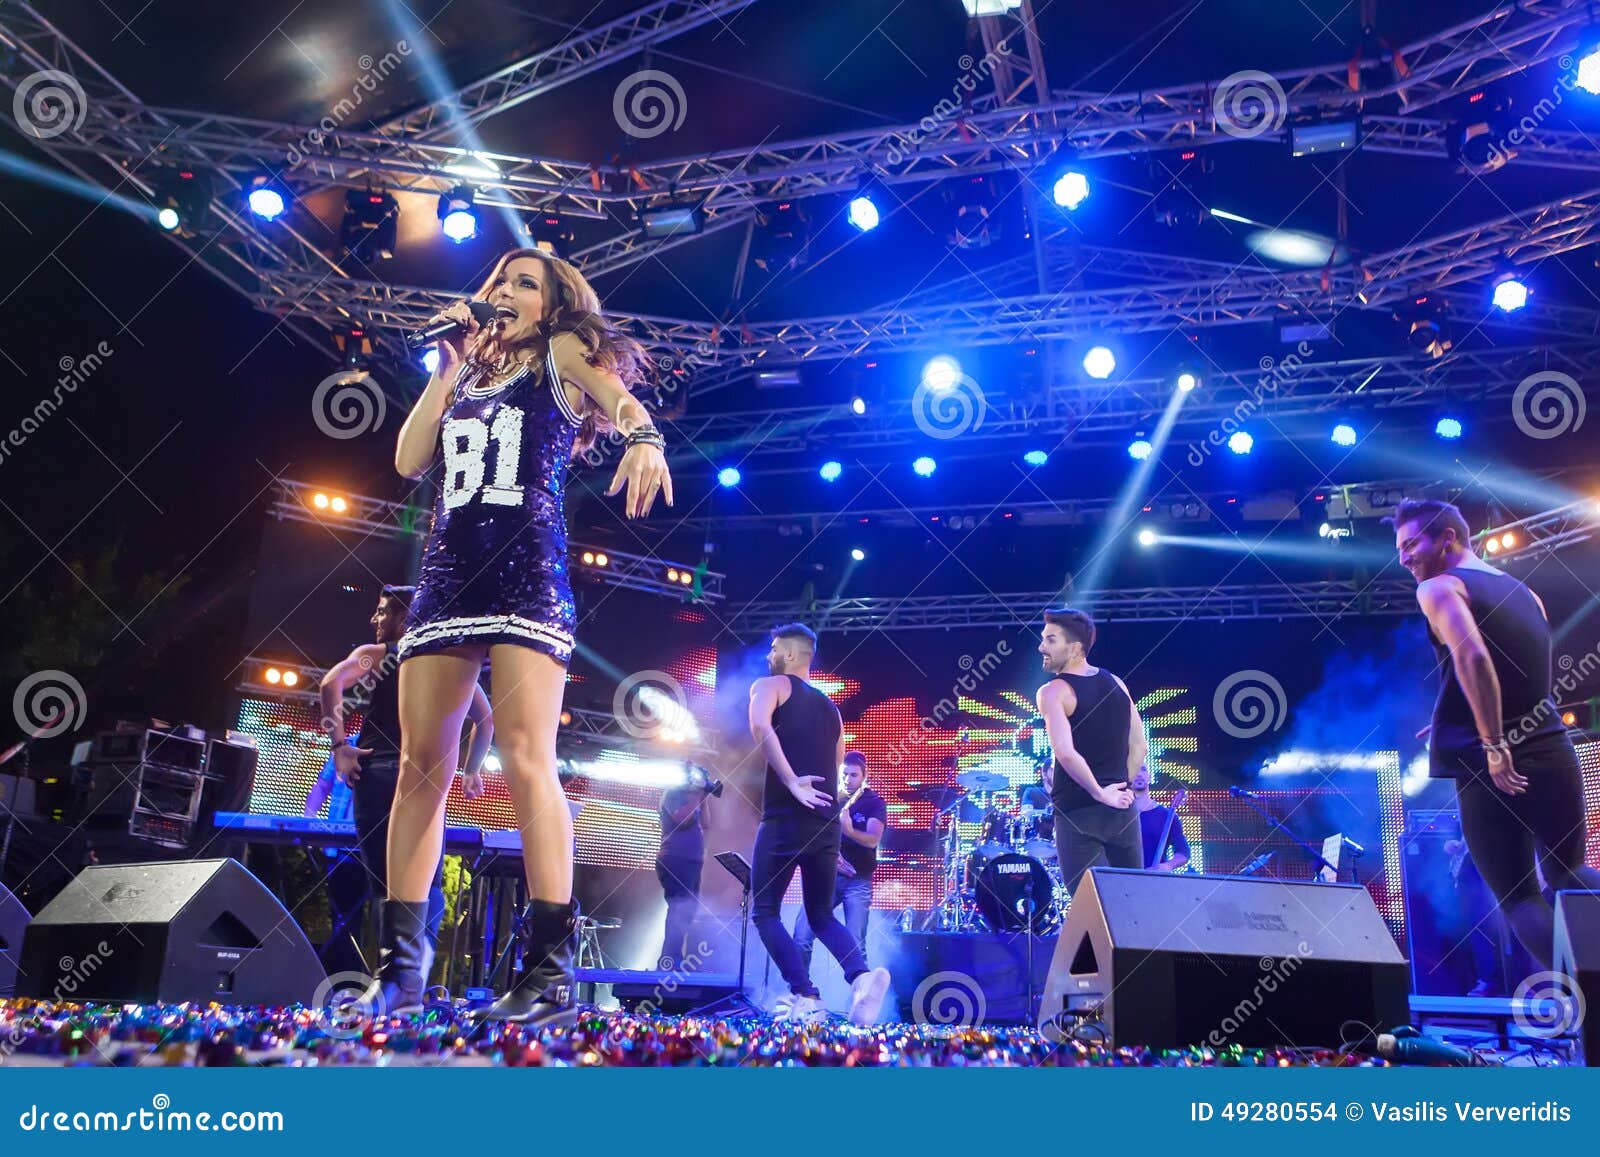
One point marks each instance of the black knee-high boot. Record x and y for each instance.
(402, 949)
(542, 990)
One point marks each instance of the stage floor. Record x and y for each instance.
(34, 1033)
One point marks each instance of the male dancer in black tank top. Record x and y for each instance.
(1098, 742)
(799, 732)
(371, 768)
(1495, 729)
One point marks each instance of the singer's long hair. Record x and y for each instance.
(572, 306)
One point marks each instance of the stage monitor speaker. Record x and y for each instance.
(1169, 961)
(196, 930)
(1578, 956)
(13, 922)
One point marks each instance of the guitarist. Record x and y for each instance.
(1166, 848)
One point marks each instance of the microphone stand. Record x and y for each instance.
(1272, 821)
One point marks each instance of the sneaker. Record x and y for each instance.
(805, 1010)
(866, 996)
(780, 1007)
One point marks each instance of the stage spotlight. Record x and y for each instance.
(369, 225)
(863, 213)
(1510, 293)
(550, 234)
(274, 675)
(1324, 530)
(1099, 362)
(858, 405)
(1036, 457)
(266, 198)
(924, 466)
(1187, 381)
(831, 471)
(977, 8)
(940, 373)
(671, 221)
(338, 505)
(320, 501)
(858, 555)
(1491, 546)
(1147, 538)
(183, 199)
(782, 237)
(457, 218)
(972, 204)
(430, 359)
(728, 476)
(1140, 449)
(291, 678)
(601, 559)
(1588, 74)
(1508, 540)
(1240, 442)
(1448, 428)
(672, 574)
(588, 558)
(1344, 434)
(1072, 189)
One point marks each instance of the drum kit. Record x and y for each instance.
(1007, 879)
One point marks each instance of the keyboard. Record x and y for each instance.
(271, 829)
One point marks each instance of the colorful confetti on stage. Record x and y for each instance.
(38, 1033)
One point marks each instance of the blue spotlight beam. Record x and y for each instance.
(1322, 550)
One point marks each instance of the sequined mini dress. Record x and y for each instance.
(494, 569)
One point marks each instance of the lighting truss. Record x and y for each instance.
(380, 518)
(1025, 610)
(1095, 414)
(1542, 534)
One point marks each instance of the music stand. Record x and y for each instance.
(736, 1001)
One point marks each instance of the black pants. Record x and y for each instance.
(1088, 837)
(372, 798)
(680, 883)
(1508, 834)
(781, 849)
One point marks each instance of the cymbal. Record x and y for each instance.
(981, 780)
(940, 793)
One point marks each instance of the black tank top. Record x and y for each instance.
(1100, 725)
(380, 723)
(1518, 638)
(807, 724)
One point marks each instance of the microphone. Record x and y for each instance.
(1354, 847)
(1238, 792)
(419, 339)
(1420, 1050)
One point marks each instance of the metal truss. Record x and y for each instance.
(1540, 535)
(966, 516)
(578, 54)
(1274, 600)
(579, 723)
(379, 518)
(1092, 414)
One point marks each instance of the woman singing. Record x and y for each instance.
(510, 403)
